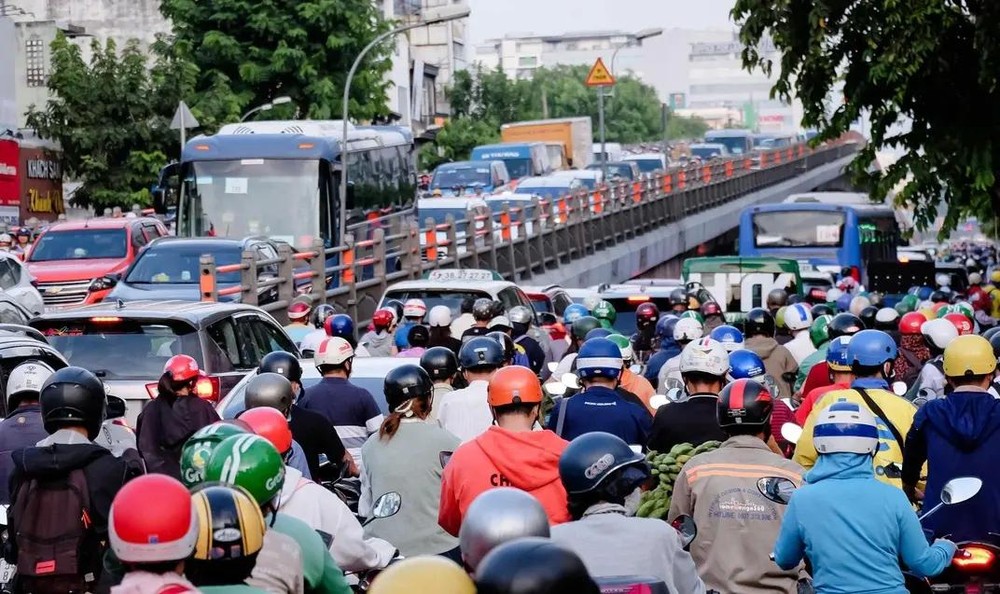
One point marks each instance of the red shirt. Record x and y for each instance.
(819, 376)
(802, 412)
(781, 414)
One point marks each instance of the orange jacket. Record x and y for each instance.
(639, 386)
(527, 460)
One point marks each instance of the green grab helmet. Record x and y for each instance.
(819, 332)
(199, 447)
(251, 462)
(582, 325)
(624, 345)
(964, 308)
(695, 315)
(605, 314)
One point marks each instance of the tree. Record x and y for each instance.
(302, 49)
(488, 95)
(456, 140)
(924, 71)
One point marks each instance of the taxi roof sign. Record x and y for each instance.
(465, 274)
(599, 75)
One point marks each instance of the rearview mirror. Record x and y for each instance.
(116, 407)
(960, 489)
(570, 380)
(349, 198)
(776, 489)
(791, 432)
(657, 400)
(687, 528)
(552, 366)
(159, 201)
(635, 368)
(899, 388)
(387, 505)
(555, 389)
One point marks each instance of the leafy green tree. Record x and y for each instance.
(488, 95)
(924, 71)
(456, 140)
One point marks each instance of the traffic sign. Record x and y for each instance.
(599, 75)
(183, 118)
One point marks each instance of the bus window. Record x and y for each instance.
(799, 228)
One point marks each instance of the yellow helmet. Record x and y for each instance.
(423, 575)
(995, 276)
(968, 356)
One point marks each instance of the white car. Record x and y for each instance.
(514, 201)
(451, 286)
(439, 209)
(16, 281)
(590, 178)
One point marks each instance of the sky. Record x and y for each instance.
(495, 18)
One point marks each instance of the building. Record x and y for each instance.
(438, 51)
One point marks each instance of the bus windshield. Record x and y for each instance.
(450, 177)
(799, 228)
(737, 144)
(518, 168)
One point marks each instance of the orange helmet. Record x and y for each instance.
(182, 368)
(271, 425)
(514, 385)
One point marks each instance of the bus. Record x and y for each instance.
(523, 159)
(838, 238)
(281, 179)
(737, 140)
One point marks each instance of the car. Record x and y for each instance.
(622, 170)
(580, 295)
(549, 303)
(169, 268)
(706, 151)
(21, 343)
(648, 162)
(548, 186)
(12, 312)
(366, 372)
(126, 344)
(627, 298)
(17, 282)
(590, 178)
(72, 260)
(958, 276)
(451, 286)
(467, 176)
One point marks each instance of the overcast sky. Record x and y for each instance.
(494, 18)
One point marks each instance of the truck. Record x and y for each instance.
(576, 135)
(740, 284)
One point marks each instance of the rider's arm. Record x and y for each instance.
(449, 511)
(923, 560)
(332, 580)
(914, 456)
(790, 547)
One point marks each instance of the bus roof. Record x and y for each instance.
(512, 150)
(823, 206)
(738, 264)
(260, 146)
(830, 198)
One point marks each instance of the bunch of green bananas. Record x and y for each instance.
(656, 502)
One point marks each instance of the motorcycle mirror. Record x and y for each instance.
(776, 489)
(899, 388)
(960, 489)
(675, 394)
(553, 365)
(387, 505)
(570, 380)
(687, 528)
(116, 407)
(657, 400)
(791, 432)
(635, 368)
(555, 389)
(918, 402)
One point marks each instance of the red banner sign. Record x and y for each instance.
(10, 174)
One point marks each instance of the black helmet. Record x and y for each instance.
(533, 565)
(498, 309)
(418, 336)
(988, 335)
(939, 297)
(583, 325)
(678, 297)
(439, 362)
(321, 313)
(867, 316)
(506, 342)
(406, 382)
(270, 390)
(591, 458)
(283, 363)
(482, 310)
(481, 352)
(776, 298)
(759, 321)
(995, 343)
(744, 403)
(821, 309)
(73, 397)
(845, 324)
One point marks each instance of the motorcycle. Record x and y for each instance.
(386, 506)
(635, 584)
(7, 571)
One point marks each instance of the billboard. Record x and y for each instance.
(10, 173)
(41, 175)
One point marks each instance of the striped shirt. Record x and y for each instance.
(350, 409)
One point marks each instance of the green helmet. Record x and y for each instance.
(624, 345)
(199, 447)
(695, 315)
(250, 462)
(965, 309)
(819, 332)
(605, 313)
(779, 317)
(943, 311)
(583, 325)
(903, 307)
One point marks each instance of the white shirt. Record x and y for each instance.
(466, 413)
(800, 346)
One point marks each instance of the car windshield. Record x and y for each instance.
(450, 177)
(80, 244)
(496, 206)
(798, 228)
(648, 165)
(544, 191)
(736, 144)
(440, 215)
(432, 297)
(518, 168)
(117, 348)
(181, 265)
(614, 169)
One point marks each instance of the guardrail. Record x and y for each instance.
(518, 242)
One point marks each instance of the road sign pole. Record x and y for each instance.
(183, 131)
(600, 125)
(599, 78)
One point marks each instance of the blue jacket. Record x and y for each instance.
(668, 350)
(855, 529)
(958, 436)
(602, 409)
(21, 429)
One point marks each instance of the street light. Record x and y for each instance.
(639, 37)
(267, 106)
(431, 17)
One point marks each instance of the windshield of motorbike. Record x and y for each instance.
(180, 264)
(467, 176)
(799, 228)
(80, 244)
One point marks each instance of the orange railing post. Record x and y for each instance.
(706, 174)
(729, 168)
(668, 184)
(636, 191)
(347, 260)
(681, 179)
(430, 239)
(505, 224)
(598, 207)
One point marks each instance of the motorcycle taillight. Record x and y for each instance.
(973, 559)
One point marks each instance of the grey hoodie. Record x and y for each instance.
(379, 344)
(777, 361)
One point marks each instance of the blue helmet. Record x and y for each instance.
(845, 427)
(836, 354)
(844, 302)
(871, 348)
(573, 312)
(665, 327)
(597, 333)
(591, 458)
(599, 357)
(729, 336)
(340, 325)
(924, 293)
(745, 364)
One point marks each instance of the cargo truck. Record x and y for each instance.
(576, 136)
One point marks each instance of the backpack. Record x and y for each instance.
(58, 550)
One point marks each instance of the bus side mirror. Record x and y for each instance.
(349, 199)
(159, 201)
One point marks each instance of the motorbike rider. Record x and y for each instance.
(678, 301)
(482, 313)
(913, 351)
(840, 377)
(713, 315)
(646, 316)
(798, 320)
(498, 516)
(938, 334)
(298, 316)
(417, 338)
(729, 337)
(514, 354)
(407, 456)
(667, 348)
(22, 428)
(520, 320)
(577, 336)
(466, 412)
(508, 454)
(854, 528)
(414, 311)
(439, 320)
(958, 436)
(465, 320)
(758, 327)
(312, 340)
(686, 331)
(442, 365)
(378, 341)
(703, 366)
(423, 574)
(533, 566)
(605, 314)
(603, 478)
(744, 364)
(727, 478)
(842, 324)
(819, 334)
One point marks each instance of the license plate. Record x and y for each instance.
(6, 572)
(973, 589)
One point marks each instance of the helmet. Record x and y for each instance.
(271, 425)
(995, 276)
(858, 304)
(500, 324)
(414, 308)
(182, 368)
(962, 323)
(728, 336)
(693, 315)
(498, 308)
(798, 317)
(514, 385)
(418, 335)
(6, 238)
(73, 397)
(646, 314)
(230, 525)
(843, 302)
(481, 352)
(482, 309)
(678, 297)
(573, 312)
(333, 351)
(599, 357)
(439, 362)
(591, 458)
(705, 356)
(711, 308)
(845, 427)
(533, 566)
(939, 333)
(665, 327)
(405, 383)
(340, 325)
(138, 536)
(779, 317)
(688, 329)
(383, 319)
(939, 297)
(521, 314)
(744, 364)
(776, 298)
(910, 323)
(991, 332)
(321, 313)
(509, 349)
(821, 309)
(995, 343)
(744, 402)
(250, 462)
(270, 390)
(837, 358)
(759, 321)
(423, 574)
(597, 333)
(605, 313)
(26, 380)
(198, 448)
(497, 516)
(583, 325)
(969, 356)
(819, 332)
(924, 293)
(871, 348)
(845, 324)
(282, 363)
(975, 278)
(965, 308)
(887, 318)
(624, 345)
(298, 310)
(867, 316)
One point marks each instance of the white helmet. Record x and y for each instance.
(942, 279)
(688, 329)
(6, 238)
(414, 308)
(845, 427)
(798, 317)
(705, 356)
(27, 378)
(974, 278)
(858, 304)
(333, 351)
(591, 301)
(440, 316)
(939, 332)
(833, 294)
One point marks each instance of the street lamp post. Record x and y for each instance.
(267, 106)
(443, 15)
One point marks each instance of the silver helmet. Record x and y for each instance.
(497, 516)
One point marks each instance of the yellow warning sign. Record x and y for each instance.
(599, 75)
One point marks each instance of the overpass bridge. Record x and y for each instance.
(615, 233)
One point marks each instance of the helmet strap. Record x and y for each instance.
(405, 409)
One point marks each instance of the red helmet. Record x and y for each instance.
(298, 310)
(910, 323)
(382, 319)
(270, 424)
(182, 368)
(646, 313)
(138, 536)
(962, 323)
(711, 308)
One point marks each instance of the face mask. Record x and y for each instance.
(632, 501)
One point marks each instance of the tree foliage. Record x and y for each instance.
(924, 71)
(456, 140)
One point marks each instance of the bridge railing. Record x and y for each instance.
(520, 241)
